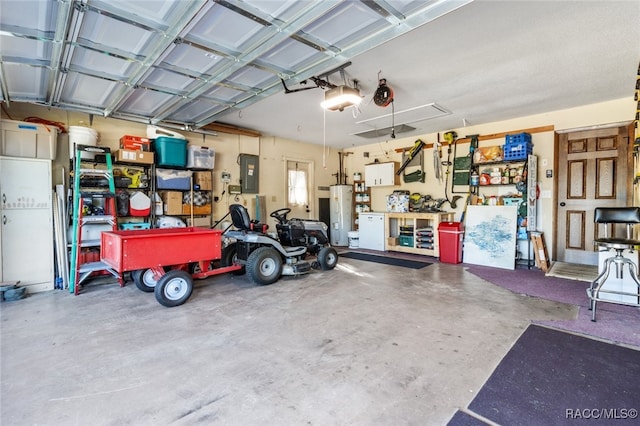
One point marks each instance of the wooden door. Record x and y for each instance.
(594, 170)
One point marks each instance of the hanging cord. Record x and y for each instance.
(393, 120)
(324, 138)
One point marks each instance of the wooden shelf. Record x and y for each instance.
(360, 190)
(416, 222)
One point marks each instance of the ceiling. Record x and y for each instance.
(195, 64)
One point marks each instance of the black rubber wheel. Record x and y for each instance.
(144, 280)
(174, 288)
(194, 268)
(327, 258)
(230, 257)
(264, 265)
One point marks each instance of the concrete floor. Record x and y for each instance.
(363, 344)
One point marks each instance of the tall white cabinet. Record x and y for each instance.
(26, 230)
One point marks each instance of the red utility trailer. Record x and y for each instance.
(165, 261)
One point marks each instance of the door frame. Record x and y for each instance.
(556, 163)
(311, 196)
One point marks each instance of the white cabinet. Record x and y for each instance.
(382, 174)
(26, 251)
(371, 231)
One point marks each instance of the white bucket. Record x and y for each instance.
(354, 239)
(79, 135)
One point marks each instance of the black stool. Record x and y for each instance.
(608, 216)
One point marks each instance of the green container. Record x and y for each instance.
(170, 152)
(406, 240)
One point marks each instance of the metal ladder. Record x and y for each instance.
(79, 272)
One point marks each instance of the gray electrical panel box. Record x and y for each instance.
(249, 173)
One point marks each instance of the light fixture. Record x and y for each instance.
(341, 97)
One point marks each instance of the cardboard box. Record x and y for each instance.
(392, 241)
(540, 251)
(172, 202)
(136, 157)
(197, 210)
(202, 222)
(203, 181)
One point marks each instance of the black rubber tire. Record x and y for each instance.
(230, 257)
(327, 258)
(264, 265)
(194, 268)
(174, 288)
(144, 280)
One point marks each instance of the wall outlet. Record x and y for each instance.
(235, 189)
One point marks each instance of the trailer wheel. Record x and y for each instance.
(328, 258)
(194, 268)
(230, 258)
(174, 288)
(144, 279)
(264, 265)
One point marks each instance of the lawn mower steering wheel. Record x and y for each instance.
(281, 215)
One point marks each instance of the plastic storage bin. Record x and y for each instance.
(29, 140)
(406, 240)
(179, 180)
(450, 235)
(200, 157)
(517, 151)
(170, 151)
(130, 226)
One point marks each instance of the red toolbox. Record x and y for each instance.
(135, 143)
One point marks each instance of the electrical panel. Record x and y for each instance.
(249, 173)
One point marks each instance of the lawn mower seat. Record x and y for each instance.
(240, 219)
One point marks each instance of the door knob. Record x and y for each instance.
(562, 204)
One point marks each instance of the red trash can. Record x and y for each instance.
(450, 235)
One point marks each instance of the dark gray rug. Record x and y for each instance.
(394, 261)
(550, 377)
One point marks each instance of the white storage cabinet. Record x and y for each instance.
(381, 174)
(26, 228)
(371, 231)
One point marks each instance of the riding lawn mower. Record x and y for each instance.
(266, 258)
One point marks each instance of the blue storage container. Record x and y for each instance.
(179, 180)
(517, 151)
(517, 138)
(132, 226)
(170, 151)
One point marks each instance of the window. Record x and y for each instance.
(298, 193)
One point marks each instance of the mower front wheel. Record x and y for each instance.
(327, 258)
(264, 265)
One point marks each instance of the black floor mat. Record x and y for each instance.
(386, 260)
(550, 377)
